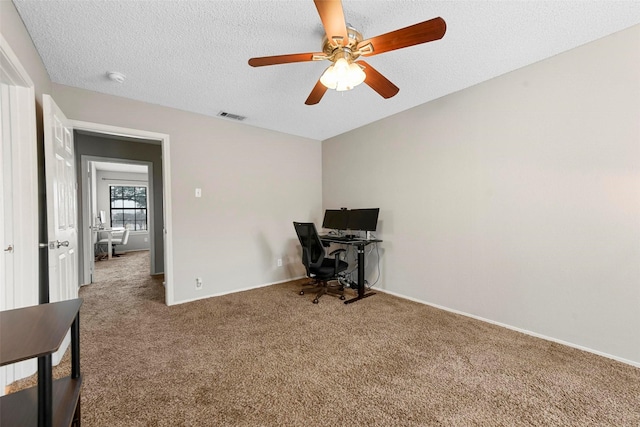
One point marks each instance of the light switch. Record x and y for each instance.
(198, 192)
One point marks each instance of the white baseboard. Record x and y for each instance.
(514, 328)
(237, 290)
(132, 250)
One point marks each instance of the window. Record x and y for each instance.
(129, 207)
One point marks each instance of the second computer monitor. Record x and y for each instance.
(336, 219)
(363, 219)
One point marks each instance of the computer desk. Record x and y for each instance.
(360, 244)
(109, 232)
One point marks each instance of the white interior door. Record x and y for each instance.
(62, 226)
(61, 203)
(6, 201)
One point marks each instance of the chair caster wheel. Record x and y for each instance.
(301, 292)
(315, 301)
(342, 298)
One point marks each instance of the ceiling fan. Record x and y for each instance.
(343, 45)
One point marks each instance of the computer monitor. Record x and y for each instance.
(363, 219)
(336, 219)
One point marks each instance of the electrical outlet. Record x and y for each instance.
(198, 283)
(279, 262)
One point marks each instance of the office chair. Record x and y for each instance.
(115, 241)
(319, 267)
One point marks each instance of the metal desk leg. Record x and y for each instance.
(361, 287)
(45, 391)
(75, 365)
(75, 347)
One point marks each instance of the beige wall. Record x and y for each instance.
(517, 200)
(254, 184)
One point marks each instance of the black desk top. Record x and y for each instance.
(347, 240)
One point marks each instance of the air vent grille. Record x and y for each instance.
(231, 116)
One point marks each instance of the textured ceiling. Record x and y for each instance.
(192, 55)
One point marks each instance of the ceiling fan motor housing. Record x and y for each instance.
(349, 51)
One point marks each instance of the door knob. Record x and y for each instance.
(55, 244)
(9, 248)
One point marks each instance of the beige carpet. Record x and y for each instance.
(269, 357)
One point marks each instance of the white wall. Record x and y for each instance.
(138, 240)
(517, 200)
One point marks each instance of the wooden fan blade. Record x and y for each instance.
(423, 32)
(285, 59)
(332, 18)
(316, 94)
(378, 82)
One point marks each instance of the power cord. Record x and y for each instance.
(347, 278)
(377, 265)
(353, 284)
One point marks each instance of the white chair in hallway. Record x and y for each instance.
(115, 241)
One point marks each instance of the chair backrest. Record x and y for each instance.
(125, 237)
(312, 249)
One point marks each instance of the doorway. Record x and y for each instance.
(118, 196)
(97, 142)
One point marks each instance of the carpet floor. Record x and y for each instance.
(269, 357)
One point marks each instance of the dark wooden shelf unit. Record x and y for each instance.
(38, 331)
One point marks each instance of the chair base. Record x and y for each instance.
(310, 285)
(325, 288)
(102, 254)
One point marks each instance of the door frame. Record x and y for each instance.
(164, 139)
(87, 218)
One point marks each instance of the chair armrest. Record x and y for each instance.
(336, 259)
(332, 253)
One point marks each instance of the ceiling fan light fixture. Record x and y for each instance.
(356, 74)
(342, 75)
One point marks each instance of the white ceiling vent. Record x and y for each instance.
(231, 116)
